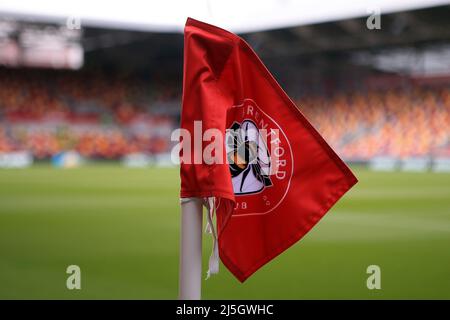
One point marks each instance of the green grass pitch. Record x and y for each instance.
(121, 226)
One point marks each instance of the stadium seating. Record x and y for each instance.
(400, 123)
(97, 115)
(108, 116)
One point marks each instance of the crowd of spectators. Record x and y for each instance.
(98, 115)
(108, 116)
(412, 121)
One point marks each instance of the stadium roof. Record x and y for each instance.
(236, 15)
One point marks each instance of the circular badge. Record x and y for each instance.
(259, 157)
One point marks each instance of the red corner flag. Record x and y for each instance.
(276, 177)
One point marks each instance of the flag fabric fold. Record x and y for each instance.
(277, 178)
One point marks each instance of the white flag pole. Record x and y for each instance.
(190, 276)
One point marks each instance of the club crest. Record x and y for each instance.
(259, 157)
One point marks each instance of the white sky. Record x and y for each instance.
(234, 15)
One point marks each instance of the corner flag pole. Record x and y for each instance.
(190, 276)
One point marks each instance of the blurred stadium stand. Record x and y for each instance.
(110, 92)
